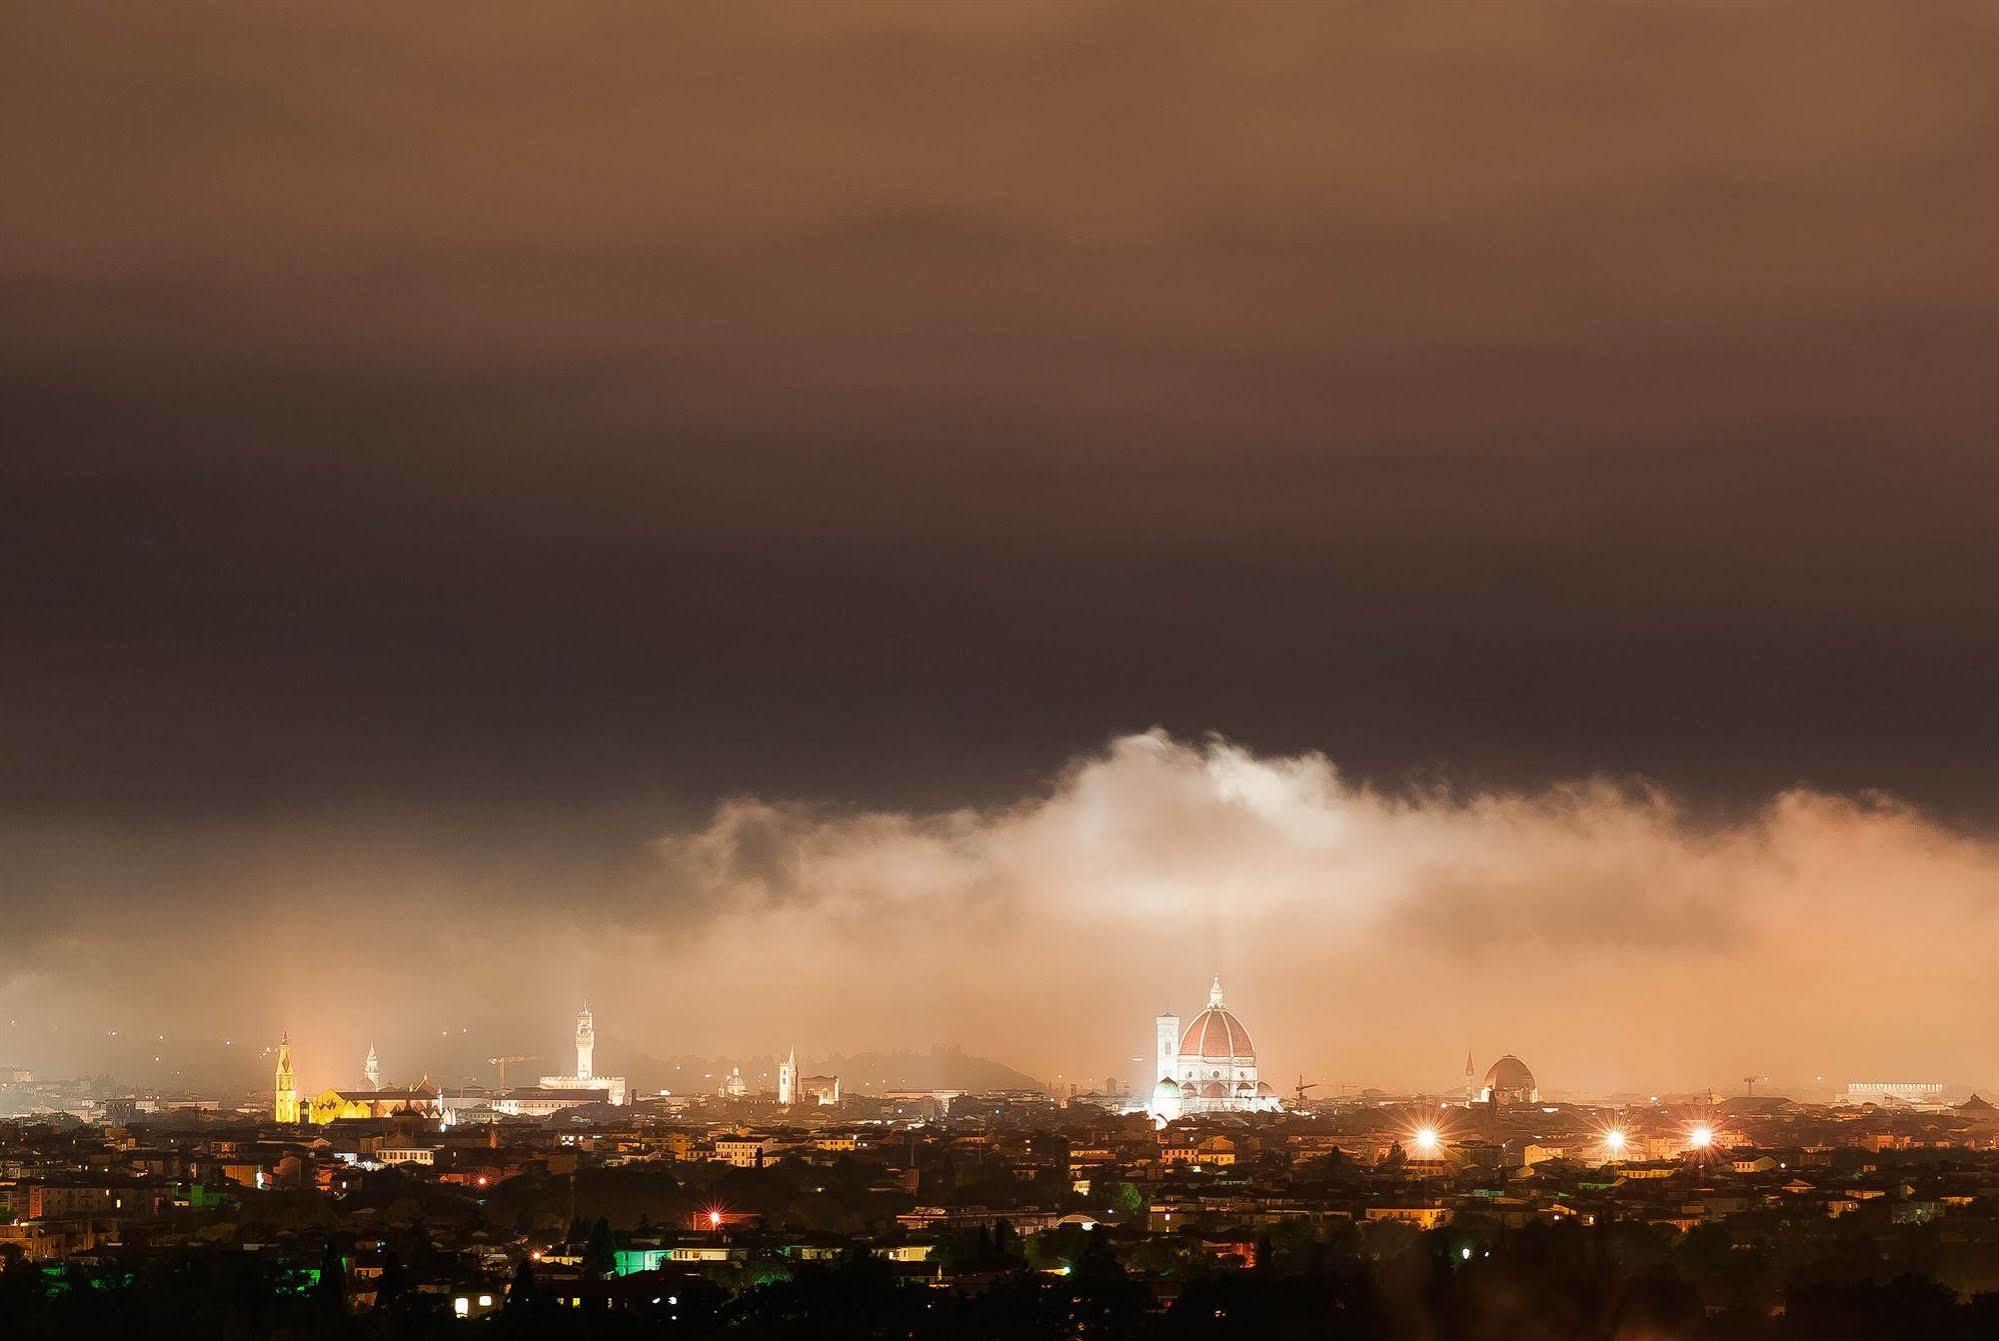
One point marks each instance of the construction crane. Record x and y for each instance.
(1298, 1091)
(501, 1062)
(1749, 1084)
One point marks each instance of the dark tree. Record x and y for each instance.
(525, 1311)
(330, 1293)
(600, 1255)
(389, 1289)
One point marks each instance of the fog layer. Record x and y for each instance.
(1364, 936)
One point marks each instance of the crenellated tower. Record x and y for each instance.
(586, 1040)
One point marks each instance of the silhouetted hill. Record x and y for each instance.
(938, 1069)
(861, 1072)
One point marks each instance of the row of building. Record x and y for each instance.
(551, 1093)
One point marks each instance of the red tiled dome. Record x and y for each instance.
(1218, 1035)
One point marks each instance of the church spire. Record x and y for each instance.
(284, 1091)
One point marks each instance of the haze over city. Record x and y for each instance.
(1470, 523)
(1372, 936)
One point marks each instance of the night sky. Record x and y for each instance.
(446, 454)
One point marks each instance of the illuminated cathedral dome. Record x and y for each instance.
(1215, 1034)
(1211, 1063)
(1510, 1082)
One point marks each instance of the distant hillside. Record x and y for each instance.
(939, 1069)
(942, 1068)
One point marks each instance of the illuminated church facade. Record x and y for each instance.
(1209, 1066)
(792, 1088)
(420, 1100)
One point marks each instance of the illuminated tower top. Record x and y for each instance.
(284, 1097)
(787, 1078)
(586, 1040)
(1215, 992)
(372, 1069)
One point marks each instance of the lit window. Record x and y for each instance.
(461, 1306)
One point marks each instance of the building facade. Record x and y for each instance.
(1897, 1091)
(421, 1100)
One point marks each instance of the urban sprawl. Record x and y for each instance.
(1214, 1204)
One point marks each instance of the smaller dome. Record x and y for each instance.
(1167, 1088)
(1509, 1076)
(1263, 1090)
